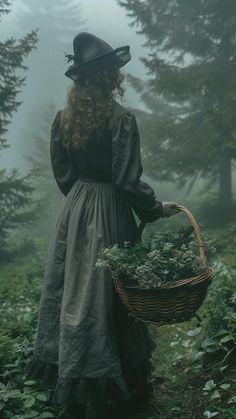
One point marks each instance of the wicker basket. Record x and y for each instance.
(170, 303)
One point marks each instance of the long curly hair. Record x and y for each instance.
(88, 102)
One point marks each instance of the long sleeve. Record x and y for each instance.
(127, 169)
(62, 165)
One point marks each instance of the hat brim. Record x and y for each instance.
(119, 57)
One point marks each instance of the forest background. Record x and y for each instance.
(181, 85)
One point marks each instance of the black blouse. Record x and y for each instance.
(113, 155)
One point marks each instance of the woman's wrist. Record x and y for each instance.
(169, 208)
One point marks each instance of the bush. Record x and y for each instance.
(20, 288)
(158, 259)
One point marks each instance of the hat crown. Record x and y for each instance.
(92, 54)
(87, 47)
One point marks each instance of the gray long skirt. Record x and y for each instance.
(83, 331)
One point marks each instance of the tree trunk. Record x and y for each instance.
(225, 181)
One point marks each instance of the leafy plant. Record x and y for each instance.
(159, 259)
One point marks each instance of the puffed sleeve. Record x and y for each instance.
(62, 165)
(127, 169)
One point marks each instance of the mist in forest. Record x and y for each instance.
(57, 23)
(187, 130)
(180, 86)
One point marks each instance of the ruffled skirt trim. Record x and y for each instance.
(70, 391)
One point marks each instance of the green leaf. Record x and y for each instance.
(32, 414)
(186, 343)
(225, 386)
(30, 383)
(42, 396)
(226, 339)
(29, 401)
(13, 394)
(207, 342)
(215, 395)
(221, 332)
(194, 332)
(210, 414)
(232, 400)
(223, 368)
(47, 415)
(209, 385)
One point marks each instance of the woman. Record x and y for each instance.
(85, 340)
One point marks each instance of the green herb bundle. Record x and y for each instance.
(156, 260)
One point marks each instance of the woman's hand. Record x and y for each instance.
(169, 208)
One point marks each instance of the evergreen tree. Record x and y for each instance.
(153, 125)
(12, 55)
(192, 63)
(46, 189)
(40, 157)
(15, 190)
(57, 22)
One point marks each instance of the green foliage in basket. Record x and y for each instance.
(158, 259)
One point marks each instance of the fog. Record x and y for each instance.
(171, 100)
(60, 326)
(45, 81)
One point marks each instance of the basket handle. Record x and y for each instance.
(140, 230)
(197, 231)
(198, 234)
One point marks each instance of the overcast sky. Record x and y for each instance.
(104, 18)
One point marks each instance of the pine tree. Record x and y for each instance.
(15, 190)
(39, 158)
(192, 63)
(56, 19)
(43, 180)
(12, 55)
(153, 126)
(57, 22)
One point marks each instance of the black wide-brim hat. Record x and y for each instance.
(92, 53)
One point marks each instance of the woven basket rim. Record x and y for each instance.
(206, 275)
